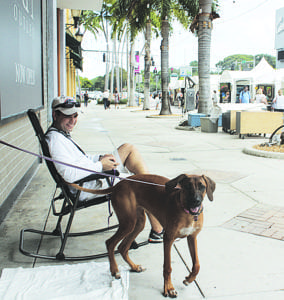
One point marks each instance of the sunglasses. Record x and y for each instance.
(68, 103)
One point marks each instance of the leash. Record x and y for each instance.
(77, 167)
(188, 269)
(109, 201)
(113, 177)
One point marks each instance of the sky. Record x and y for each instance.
(244, 27)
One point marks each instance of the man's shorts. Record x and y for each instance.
(102, 184)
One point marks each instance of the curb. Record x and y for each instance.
(143, 110)
(260, 153)
(164, 116)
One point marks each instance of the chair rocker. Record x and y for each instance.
(70, 204)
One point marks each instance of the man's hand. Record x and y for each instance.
(109, 162)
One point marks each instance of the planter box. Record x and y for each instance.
(257, 122)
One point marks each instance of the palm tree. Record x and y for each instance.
(136, 12)
(204, 44)
(147, 65)
(96, 22)
(203, 24)
(123, 13)
(183, 11)
(165, 107)
(131, 95)
(139, 15)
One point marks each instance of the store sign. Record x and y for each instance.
(21, 56)
(185, 71)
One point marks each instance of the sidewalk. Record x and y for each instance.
(241, 246)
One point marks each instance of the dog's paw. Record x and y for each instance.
(171, 293)
(116, 275)
(138, 269)
(188, 280)
(185, 282)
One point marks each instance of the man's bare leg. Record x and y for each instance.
(133, 161)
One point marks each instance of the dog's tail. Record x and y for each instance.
(97, 192)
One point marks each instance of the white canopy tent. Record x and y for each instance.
(262, 74)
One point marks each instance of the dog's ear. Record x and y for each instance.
(210, 187)
(174, 182)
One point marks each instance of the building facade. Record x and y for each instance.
(40, 56)
(279, 38)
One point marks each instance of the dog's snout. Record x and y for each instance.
(194, 200)
(199, 193)
(198, 197)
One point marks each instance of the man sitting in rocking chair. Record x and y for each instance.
(126, 158)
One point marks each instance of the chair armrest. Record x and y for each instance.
(96, 177)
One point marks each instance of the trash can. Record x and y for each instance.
(209, 124)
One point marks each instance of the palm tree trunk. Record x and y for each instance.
(117, 64)
(147, 61)
(166, 108)
(128, 69)
(131, 101)
(107, 57)
(112, 67)
(121, 58)
(204, 43)
(120, 71)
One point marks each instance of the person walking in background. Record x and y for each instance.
(245, 95)
(260, 97)
(227, 97)
(157, 101)
(179, 98)
(110, 97)
(105, 98)
(86, 99)
(278, 102)
(116, 98)
(196, 100)
(214, 97)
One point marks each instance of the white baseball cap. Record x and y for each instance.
(68, 106)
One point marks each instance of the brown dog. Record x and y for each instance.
(176, 203)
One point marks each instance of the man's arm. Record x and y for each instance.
(63, 149)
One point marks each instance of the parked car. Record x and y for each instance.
(98, 95)
(91, 95)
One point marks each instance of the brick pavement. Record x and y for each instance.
(260, 220)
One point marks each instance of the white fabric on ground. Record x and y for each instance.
(77, 281)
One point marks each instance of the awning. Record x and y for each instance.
(72, 43)
(80, 4)
(77, 60)
(75, 50)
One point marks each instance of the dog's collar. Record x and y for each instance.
(194, 214)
